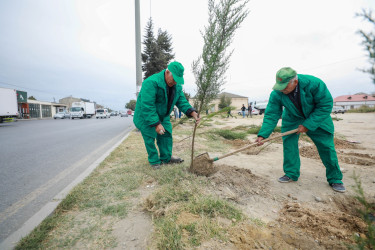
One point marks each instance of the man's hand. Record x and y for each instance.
(302, 129)
(259, 140)
(195, 115)
(160, 129)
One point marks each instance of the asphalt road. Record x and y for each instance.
(39, 158)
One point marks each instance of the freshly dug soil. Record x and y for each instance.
(346, 157)
(329, 228)
(237, 183)
(202, 165)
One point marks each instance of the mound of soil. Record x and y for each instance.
(238, 143)
(247, 236)
(203, 165)
(346, 157)
(329, 228)
(237, 183)
(343, 144)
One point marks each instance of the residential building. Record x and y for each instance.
(237, 101)
(354, 101)
(69, 100)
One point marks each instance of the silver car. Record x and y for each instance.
(60, 115)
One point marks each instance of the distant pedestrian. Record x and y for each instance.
(250, 111)
(243, 109)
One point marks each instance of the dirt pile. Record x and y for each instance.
(237, 183)
(343, 156)
(202, 165)
(247, 236)
(343, 144)
(328, 227)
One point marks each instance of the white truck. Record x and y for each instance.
(82, 110)
(8, 104)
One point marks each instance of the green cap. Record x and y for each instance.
(283, 76)
(177, 71)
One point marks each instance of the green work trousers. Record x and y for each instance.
(326, 148)
(165, 144)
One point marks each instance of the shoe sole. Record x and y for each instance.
(174, 162)
(340, 191)
(285, 181)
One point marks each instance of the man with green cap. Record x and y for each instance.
(159, 94)
(307, 106)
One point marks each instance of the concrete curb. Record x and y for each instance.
(10, 242)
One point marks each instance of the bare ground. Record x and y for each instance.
(306, 214)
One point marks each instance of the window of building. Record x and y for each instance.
(34, 110)
(46, 111)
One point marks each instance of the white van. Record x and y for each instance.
(102, 113)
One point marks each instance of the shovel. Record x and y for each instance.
(203, 164)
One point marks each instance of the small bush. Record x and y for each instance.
(362, 109)
(230, 135)
(254, 129)
(367, 214)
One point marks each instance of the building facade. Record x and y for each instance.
(40, 109)
(237, 101)
(354, 101)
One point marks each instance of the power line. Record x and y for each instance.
(38, 90)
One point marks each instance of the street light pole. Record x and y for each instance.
(138, 48)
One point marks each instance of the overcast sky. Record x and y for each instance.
(86, 48)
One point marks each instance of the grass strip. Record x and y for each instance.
(85, 218)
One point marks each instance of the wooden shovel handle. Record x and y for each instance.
(255, 143)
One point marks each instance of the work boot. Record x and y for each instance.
(174, 160)
(285, 179)
(338, 187)
(155, 166)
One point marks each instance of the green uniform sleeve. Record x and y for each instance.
(182, 104)
(323, 106)
(272, 115)
(148, 103)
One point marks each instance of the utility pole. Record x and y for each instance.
(138, 48)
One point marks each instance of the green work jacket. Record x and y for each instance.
(152, 102)
(316, 102)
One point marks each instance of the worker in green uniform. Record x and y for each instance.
(307, 106)
(159, 94)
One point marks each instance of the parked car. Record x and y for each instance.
(129, 112)
(60, 115)
(123, 114)
(253, 112)
(338, 109)
(261, 106)
(67, 115)
(102, 113)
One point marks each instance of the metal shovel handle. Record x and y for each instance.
(255, 143)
